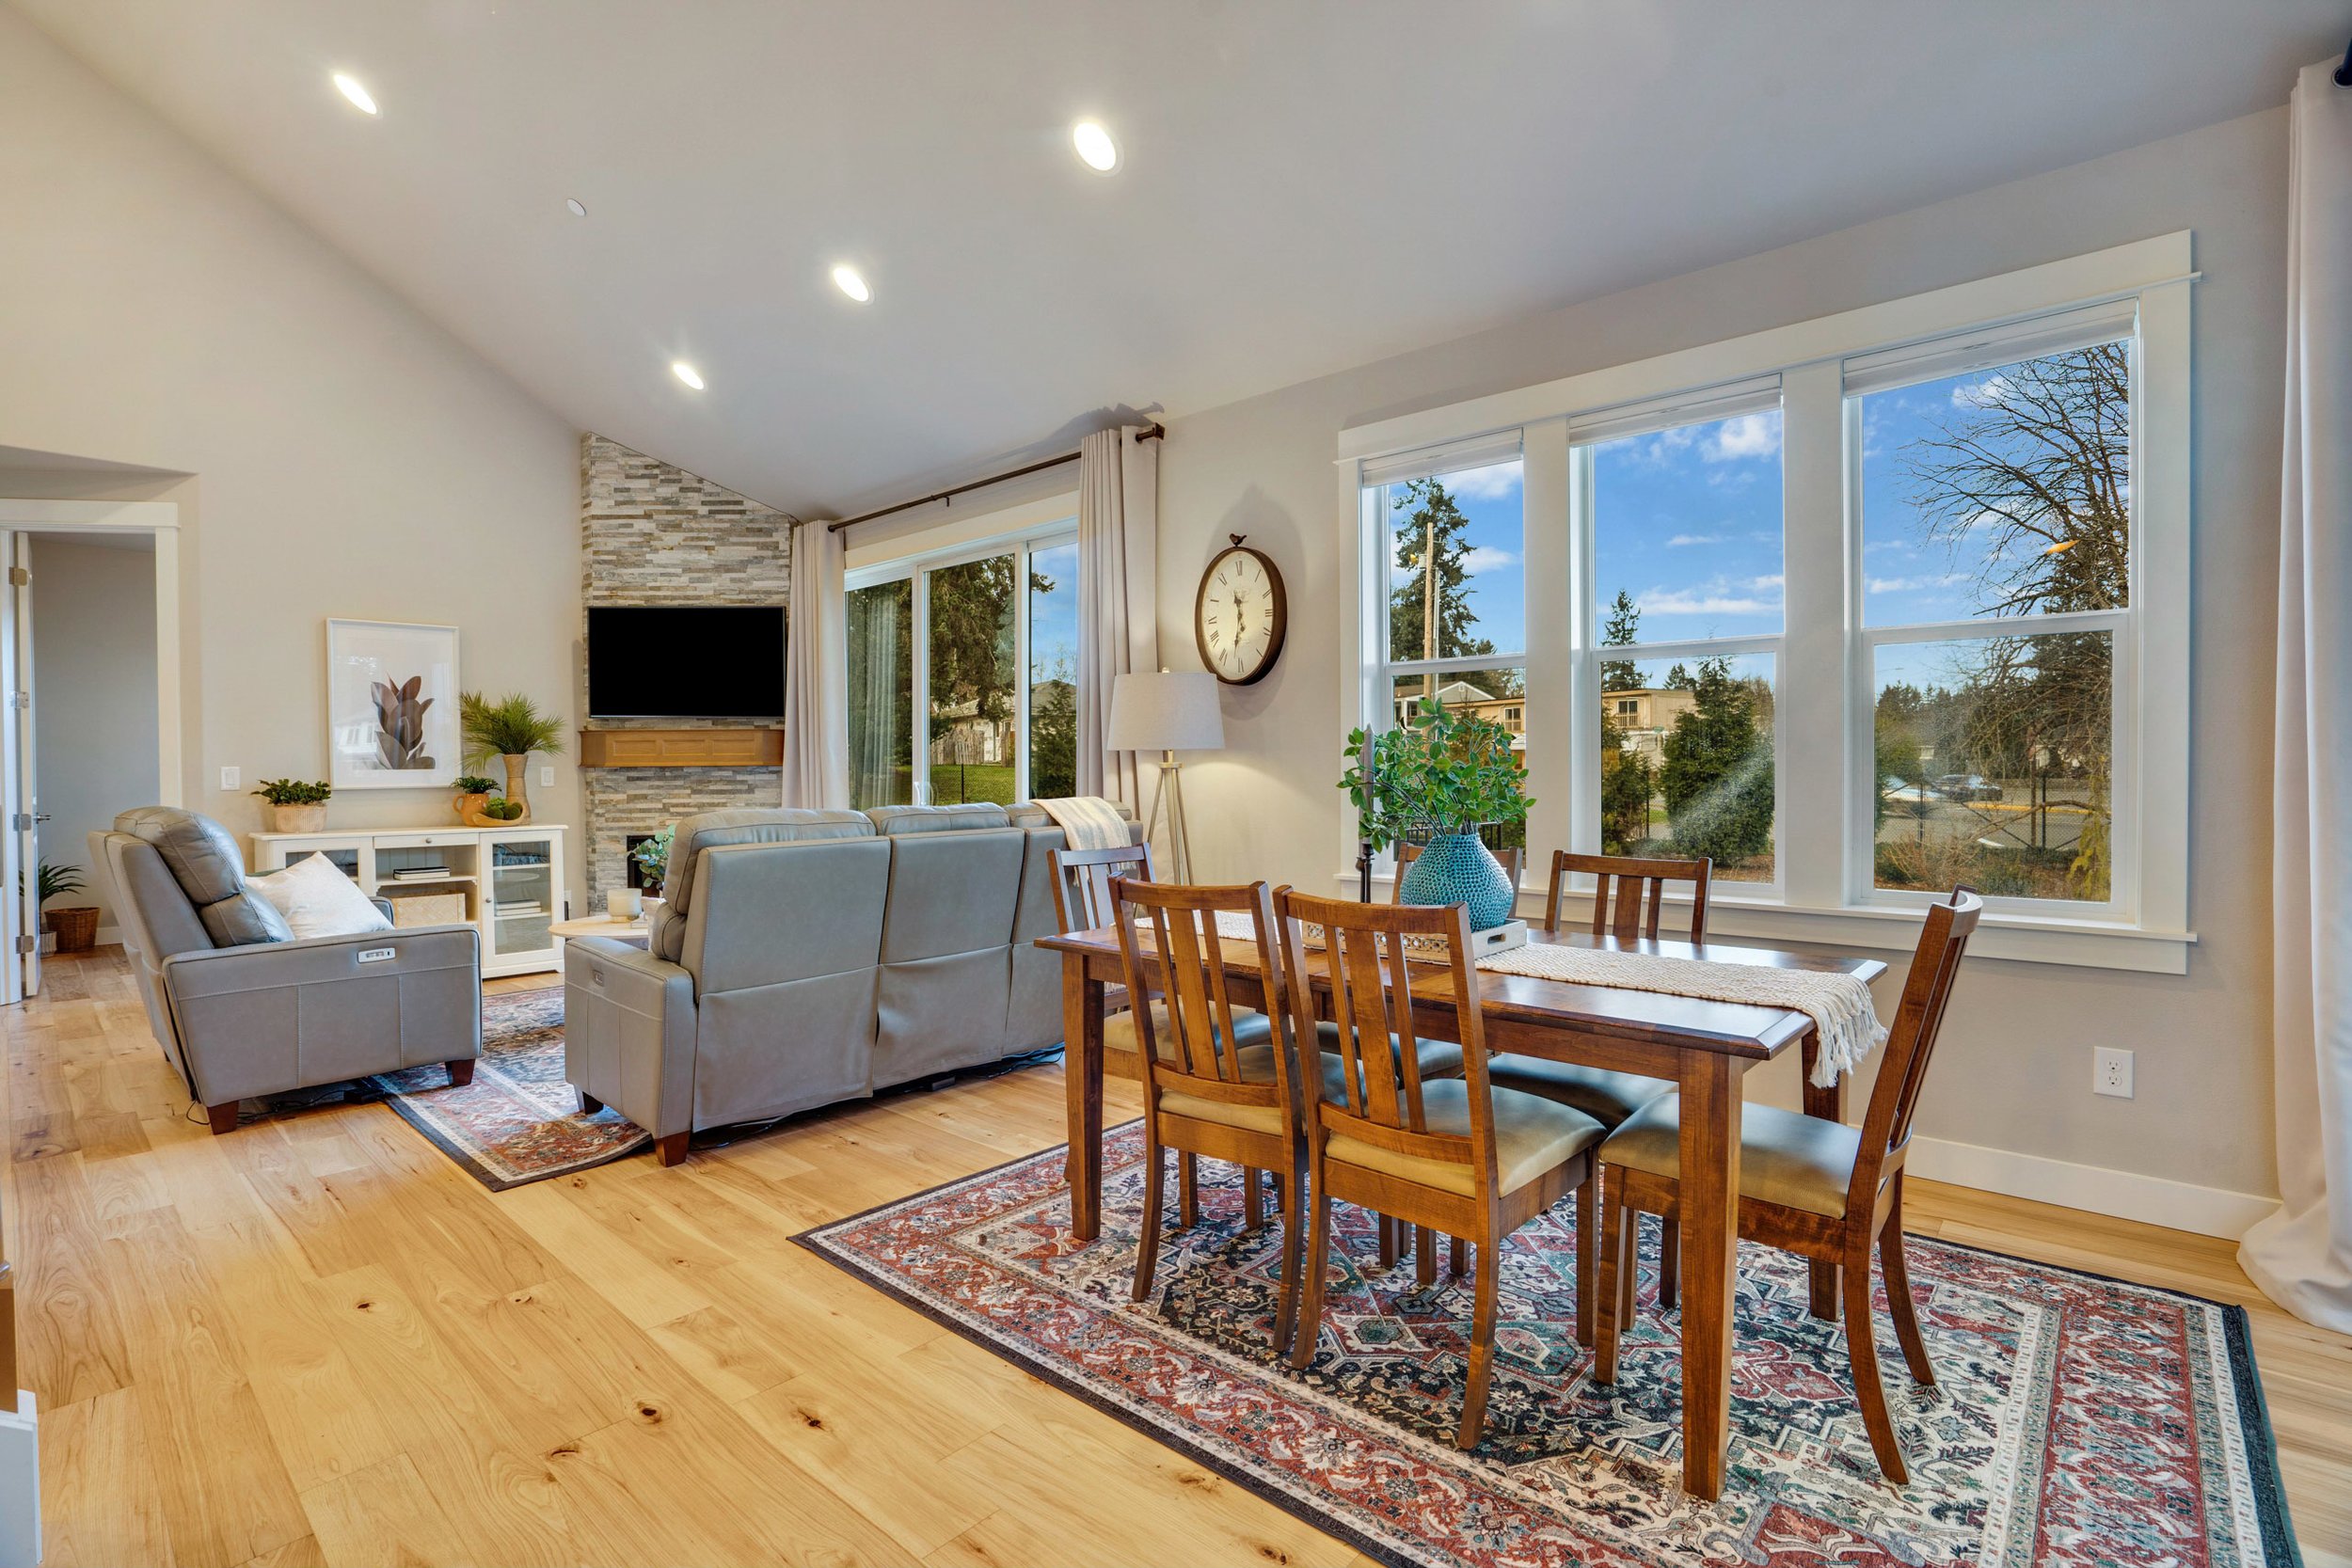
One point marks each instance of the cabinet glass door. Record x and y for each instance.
(524, 897)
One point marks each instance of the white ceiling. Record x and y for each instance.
(1305, 187)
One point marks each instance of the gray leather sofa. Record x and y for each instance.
(808, 956)
(242, 1007)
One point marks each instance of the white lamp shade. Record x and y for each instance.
(1170, 711)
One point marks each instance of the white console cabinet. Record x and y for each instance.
(511, 880)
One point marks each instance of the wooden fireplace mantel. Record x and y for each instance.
(744, 746)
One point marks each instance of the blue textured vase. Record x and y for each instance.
(1455, 868)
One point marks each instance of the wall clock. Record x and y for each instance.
(1240, 615)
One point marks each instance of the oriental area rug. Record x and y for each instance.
(2078, 1420)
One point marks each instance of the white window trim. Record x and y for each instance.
(1818, 664)
(1042, 525)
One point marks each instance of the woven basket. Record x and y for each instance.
(76, 928)
(427, 909)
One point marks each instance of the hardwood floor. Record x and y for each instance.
(317, 1340)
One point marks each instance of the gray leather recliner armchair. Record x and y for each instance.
(242, 1008)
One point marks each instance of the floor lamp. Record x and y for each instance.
(1168, 713)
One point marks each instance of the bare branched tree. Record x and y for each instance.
(2028, 484)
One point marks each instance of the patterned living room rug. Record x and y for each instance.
(519, 1120)
(2077, 1420)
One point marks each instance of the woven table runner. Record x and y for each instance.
(1839, 1004)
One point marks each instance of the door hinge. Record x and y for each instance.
(21, 822)
(28, 944)
(21, 701)
(18, 577)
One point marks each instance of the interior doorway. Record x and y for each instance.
(89, 710)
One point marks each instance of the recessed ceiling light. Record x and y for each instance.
(845, 278)
(579, 208)
(349, 86)
(1094, 146)
(687, 374)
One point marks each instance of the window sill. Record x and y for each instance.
(2019, 938)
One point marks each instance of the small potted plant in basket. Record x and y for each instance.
(1434, 781)
(75, 926)
(293, 806)
(473, 793)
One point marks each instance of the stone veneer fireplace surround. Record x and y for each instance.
(652, 534)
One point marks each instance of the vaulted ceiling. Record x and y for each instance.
(1305, 185)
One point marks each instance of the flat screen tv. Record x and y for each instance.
(662, 662)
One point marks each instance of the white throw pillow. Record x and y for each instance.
(318, 900)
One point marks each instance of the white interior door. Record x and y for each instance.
(20, 805)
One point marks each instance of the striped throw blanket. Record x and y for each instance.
(1088, 821)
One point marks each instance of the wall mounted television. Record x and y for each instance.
(685, 661)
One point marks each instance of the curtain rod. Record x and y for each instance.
(1148, 433)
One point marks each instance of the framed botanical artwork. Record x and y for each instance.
(391, 706)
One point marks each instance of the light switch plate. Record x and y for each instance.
(231, 778)
(547, 778)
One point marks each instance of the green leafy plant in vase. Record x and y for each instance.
(652, 856)
(295, 806)
(509, 729)
(1434, 781)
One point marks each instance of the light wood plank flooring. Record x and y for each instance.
(317, 1340)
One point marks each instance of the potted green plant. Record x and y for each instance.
(1434, 781)
(652, 856)
(509, 729)
(295, 807)
(75, 926)
(473, 791)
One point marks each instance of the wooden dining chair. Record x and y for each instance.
(1514, 862)
(1639, 888)
(1083, 901)
(1450, 1154)
(1208, 1091)
(1825, 1191)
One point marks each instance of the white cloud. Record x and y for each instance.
(1748, 435)
(1679, 539)
(1913, 585)
(1486, 558)
(1774, 581)
(1492, 483)
(1981, 394)
(1683, 602)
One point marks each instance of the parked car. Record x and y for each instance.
(1968, 786)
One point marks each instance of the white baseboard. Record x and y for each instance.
(19, 1484)
(2119, 1193)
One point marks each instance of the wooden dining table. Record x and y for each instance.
(1705, 1048)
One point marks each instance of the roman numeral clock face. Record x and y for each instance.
(1240, 615)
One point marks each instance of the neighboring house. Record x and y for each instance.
(969, 738)
(1645, 715)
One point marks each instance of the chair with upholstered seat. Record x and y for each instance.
(1454, 1155)
(1209, 1089)
(1820, 1189)
(1633, 913)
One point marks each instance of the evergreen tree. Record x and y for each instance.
(1717, 772)
(1620, 630)
(1428, 522)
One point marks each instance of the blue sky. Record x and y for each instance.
(1688, 522)
(1054, 617)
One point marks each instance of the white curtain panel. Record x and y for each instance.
(817, 673)
(2302, 1256)
(1119, 532)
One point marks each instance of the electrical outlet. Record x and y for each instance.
(547, 778)
(2112, 1072)
(231, 778)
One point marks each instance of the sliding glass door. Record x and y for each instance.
(982, 644)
